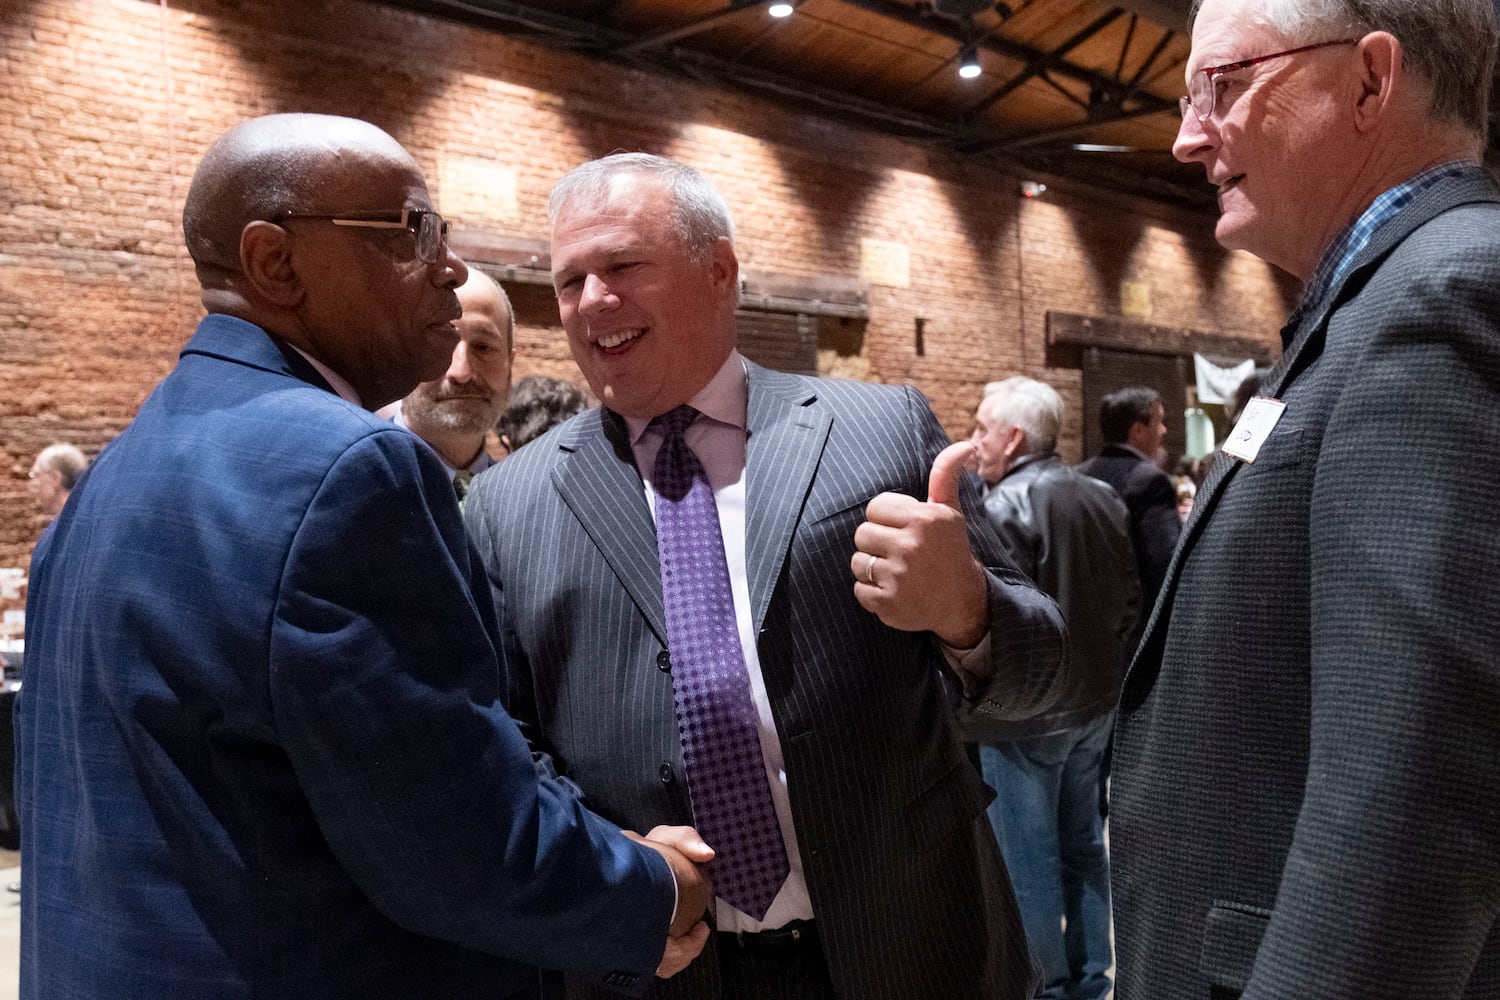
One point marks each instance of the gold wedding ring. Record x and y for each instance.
(870, 570)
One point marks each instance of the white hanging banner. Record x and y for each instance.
(1217, 385)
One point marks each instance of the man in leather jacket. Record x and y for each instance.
(1071, 534)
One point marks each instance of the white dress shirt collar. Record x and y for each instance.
(339, 385)
(726, 398)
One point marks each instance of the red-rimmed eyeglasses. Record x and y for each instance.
(1202, 96)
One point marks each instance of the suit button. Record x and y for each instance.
(666, 774)
(664, 661)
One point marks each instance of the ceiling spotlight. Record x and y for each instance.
(1032, 189)
(780, 10)
(968, 62)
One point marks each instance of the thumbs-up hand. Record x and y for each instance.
(913, 567)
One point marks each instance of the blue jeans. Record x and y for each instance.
(1046, 818)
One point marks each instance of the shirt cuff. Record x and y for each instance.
(676, 896)
(970, 665)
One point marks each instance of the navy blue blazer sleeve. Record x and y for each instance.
(419, 779)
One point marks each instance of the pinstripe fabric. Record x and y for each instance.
(905, 880)
(1306, 801)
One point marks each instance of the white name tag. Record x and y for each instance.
(1253, 427)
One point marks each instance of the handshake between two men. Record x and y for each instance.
(686, 852)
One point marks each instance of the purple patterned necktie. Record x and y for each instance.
(720, 743)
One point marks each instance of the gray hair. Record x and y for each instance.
(700, 215)
(64, 459)
(1033, 406)
(1450, 43)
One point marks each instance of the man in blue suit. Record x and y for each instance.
(250, 763)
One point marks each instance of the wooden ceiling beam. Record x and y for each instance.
(955, 134)
(735, 8)
(1053, 61)
(1172, 14)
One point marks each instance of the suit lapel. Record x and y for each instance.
(786, 436)
(1305, 345)
(1307, 342)
(591, 480)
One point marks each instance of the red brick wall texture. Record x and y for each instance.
(108, 104)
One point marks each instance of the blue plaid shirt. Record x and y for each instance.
(1357, 235)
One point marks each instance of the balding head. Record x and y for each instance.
(268, 167)
(453, 413)
(53, 474)
(482, 295)
(320, 230)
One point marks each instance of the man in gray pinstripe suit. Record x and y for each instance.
(856, 589)
(1306, 799)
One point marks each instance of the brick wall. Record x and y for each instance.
(109, 103)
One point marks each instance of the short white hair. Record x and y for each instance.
(1034, 407)
(700, 214)
(64, 459)
(1450, 43)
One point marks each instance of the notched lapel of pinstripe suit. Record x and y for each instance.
(598, 471)
(787, 433)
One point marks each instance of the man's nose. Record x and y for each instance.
(458, 368)
(1193, 143)
(596, 295)
(449, 270)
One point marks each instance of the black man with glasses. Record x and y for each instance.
(1306, 797)
(261, 748)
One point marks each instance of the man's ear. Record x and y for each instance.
(266, 263)
(1015, 441)
(1382, 78)
(726, 266)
